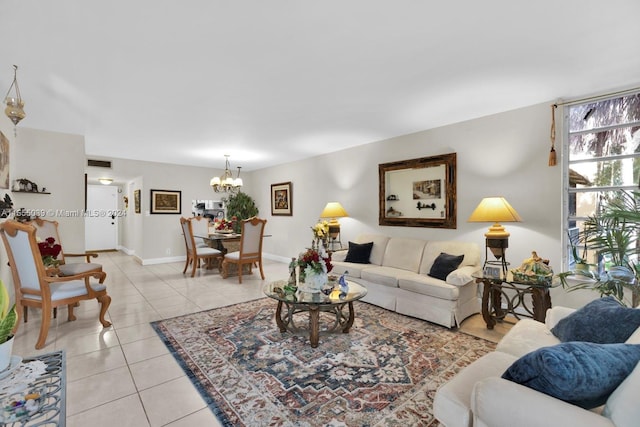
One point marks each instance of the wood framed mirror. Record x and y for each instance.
(418, 192)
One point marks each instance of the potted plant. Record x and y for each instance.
(242, 206)
(613, 234)
(8, 321)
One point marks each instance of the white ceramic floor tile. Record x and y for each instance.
(93, 391)
(171, 401)
(125, 412)
(152, 372)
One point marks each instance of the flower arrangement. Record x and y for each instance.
(313, 262)
(49, 250)
(320, 233)
(224, 224)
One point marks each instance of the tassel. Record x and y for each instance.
(552, 157)
(552, 153)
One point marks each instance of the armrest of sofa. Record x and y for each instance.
(496, 402)
(555, 314)
(463, 275)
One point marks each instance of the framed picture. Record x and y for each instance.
(136, 201)
(166, 202)
(418, 192)
(281, 199)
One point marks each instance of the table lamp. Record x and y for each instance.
(495, 210)
(333, 210)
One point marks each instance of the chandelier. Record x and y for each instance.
(226, 183)
(15, 104)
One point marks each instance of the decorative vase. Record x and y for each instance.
(6, 349)
(314, 282)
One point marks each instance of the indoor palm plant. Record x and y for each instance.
(613, 234)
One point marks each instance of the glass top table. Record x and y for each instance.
(314, 304)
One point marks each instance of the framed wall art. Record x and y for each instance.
(418, 192)
(4, 161)
(281, 199)
(136, 201)
(166, 202)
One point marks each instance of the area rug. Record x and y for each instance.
(384, 372)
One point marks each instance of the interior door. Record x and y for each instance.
(101, 222)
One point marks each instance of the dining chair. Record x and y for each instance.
(46, 229)
(250, 248)
(200, 226)
(194, 252)
(42, 288)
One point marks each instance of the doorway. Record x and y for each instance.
(101, 220)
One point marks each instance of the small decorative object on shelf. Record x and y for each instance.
(6, 206)
(534, 271)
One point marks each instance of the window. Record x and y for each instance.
(602, 157)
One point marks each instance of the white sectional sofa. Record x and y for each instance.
(478, 396)
(397, 279)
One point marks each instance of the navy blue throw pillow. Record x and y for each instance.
(359, 253)
(601, 321)
(581, 373)
(445, 264)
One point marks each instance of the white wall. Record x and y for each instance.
(503, 154)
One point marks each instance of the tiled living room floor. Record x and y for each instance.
(124, 375)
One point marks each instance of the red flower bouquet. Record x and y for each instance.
(49, 250)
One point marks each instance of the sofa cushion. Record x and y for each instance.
(404, 254)
(425, 285)
(471, 252)
(379, 246)
(387, 276)
(350, 268)
(445, 264)
(526, 336)
(601, 321)
(580, 373)
(622, 406)
(359, 253)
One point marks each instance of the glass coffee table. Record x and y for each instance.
(299, 303)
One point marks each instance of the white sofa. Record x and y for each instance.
(397, 278)
(477, 396)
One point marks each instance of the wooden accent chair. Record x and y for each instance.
(250, 248)
(196, 253)
(46, 229)
(38, 287)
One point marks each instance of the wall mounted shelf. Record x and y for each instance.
(31, 192)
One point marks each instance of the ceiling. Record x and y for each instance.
(269, 82)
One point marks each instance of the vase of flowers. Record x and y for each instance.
(49, 250)
(320, 234)
(314, 266)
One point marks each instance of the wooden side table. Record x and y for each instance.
(497, 291)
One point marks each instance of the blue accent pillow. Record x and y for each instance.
(581, 373)
(359, 253)
(445, 264)
(601, 321)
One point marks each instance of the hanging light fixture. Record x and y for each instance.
(226, 183)
(15, 104)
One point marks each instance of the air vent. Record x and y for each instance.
(99, 163)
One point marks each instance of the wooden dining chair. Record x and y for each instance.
(195, 253)
(46, 229)
(200, 227)
(250, 248)
(38, 287)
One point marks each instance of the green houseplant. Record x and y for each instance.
(8, 321)
(242, 206)
(613, 234)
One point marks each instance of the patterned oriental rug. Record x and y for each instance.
(385, 371)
